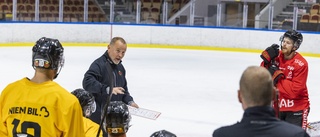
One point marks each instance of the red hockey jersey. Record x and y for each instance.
(293, 91)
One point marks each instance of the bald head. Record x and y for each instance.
(256, 87)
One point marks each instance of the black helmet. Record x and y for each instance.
(163, 133)
(86, 101)
(117, 119)
(47, 53)
(293, 35)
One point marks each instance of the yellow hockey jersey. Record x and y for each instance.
(91, 128)
(39, 110)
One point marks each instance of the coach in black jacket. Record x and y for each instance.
(96, 80)
(255, 94)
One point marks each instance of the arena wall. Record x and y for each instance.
(151, 35)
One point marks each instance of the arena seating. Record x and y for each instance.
(73, 10)
(310, 21)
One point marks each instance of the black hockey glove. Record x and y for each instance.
(276, 73)
(270, 53)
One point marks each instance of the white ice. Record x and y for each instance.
(195, 90)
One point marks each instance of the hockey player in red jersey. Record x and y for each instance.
(289, 70)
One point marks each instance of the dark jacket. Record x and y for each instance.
(260, 122)
(96, 81)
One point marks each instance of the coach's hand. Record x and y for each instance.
(118, 90)
(270, 53)
(115, 90)
(133, 104)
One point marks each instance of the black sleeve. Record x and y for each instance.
(93, 78)
(127, 97)
(306, 134)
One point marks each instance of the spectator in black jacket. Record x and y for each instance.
(255, 94)
(97, 79)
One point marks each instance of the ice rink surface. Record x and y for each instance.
(195, 90)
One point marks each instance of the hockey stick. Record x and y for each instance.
(276, 100)
(313, 129)
(276, 104)
(109, 91)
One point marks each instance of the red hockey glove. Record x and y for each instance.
(276, 73)
(270, 53)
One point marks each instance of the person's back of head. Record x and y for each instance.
(47, 54)
(256, 87)
(86, 101)
(117, 120)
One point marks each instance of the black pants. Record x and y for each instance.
(298, 118)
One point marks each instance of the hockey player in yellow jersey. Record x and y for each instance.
(40, 107)
(88, 105)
